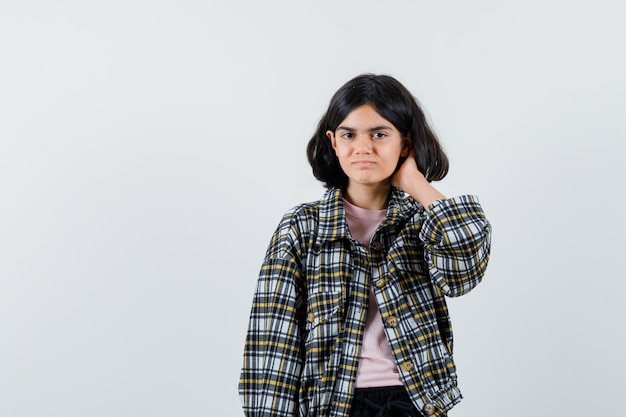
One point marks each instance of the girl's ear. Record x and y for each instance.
(331, 136)
(406, 147)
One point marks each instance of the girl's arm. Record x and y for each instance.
(273, 358)
(455, 233)
(456, 237)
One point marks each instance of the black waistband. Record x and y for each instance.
(382, 402)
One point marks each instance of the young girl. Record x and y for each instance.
(349, 316)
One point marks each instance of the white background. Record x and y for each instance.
(149, 148)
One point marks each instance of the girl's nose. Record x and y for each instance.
(363, 144)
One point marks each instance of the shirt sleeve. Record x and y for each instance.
(273, 358)
(457, 242)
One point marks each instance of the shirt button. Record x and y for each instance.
(377, 246)
(380, 283)
(429, 409)
(407, 366)
(391, 321)
(311, 317)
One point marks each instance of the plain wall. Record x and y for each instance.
(149, 148)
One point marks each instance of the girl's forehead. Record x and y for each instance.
(364, 114)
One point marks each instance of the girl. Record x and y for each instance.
(349, 316)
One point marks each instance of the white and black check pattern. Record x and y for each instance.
(310, 304)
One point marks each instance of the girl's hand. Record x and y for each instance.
(407, 174)
(410, 180)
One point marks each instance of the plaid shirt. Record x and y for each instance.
(310, 305)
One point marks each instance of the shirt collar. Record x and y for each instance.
(334, 226)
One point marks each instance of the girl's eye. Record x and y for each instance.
(347, 135)
(378, 135)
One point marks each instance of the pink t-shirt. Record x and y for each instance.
(377, 367)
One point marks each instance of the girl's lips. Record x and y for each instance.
(363, 163)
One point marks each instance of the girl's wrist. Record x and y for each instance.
(423, 191)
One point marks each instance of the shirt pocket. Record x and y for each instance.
(410, 270)
(323, 311)
(428, 313)
(409, 260)
(323, 326)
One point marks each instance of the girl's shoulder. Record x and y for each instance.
(313, 210)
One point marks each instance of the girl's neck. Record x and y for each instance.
(370, 197)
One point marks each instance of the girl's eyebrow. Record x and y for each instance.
(372, 129)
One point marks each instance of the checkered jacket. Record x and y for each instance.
(310, 304)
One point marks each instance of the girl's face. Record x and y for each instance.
(368, 146)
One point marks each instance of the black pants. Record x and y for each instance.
(382, 402)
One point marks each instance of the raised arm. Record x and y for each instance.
(455, 233)
(457, 240)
